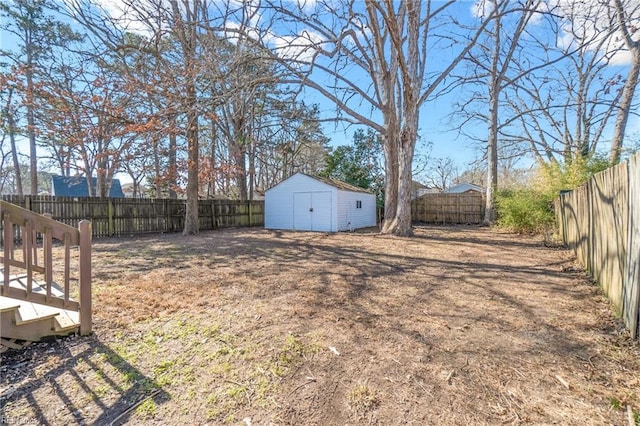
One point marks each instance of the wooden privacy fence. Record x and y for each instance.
(130, 216)
(467, 207)
(600, 221)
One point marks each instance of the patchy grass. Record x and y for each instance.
(362, 399)
(455, 325)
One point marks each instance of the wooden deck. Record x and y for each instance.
(23, 322)
(32, 305)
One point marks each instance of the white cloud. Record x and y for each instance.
(305, 4)
(591, 21)
(482, 8)
(300, 47)
(123, 14)
(583, 21)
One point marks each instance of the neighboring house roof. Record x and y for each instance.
(464, 187)
(418, 189)
(333, 182)
(76, 186)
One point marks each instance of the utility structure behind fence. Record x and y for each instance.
(130, 216)
(467, 207)
(600, 221)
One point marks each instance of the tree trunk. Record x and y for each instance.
(624, 107)
(239, 160)
(191, 222)
(156, 167)
(213, 171)
(492, 158)
(173, 166)
(390, 146)
(31, 125)
(103, 182)
(492, 143)
(14, 152)
(252, 169)
(400, 222)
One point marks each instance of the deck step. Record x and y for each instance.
(8, 304)
(31, 312)
(66, 321)
(23, 320)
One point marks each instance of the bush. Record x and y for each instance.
(524, 210)
(531, 209)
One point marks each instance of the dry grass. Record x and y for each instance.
(454, 326)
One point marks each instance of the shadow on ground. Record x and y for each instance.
(106, 388)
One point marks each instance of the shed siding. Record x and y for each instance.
(351, 217)
(287, 206)
(279, 200)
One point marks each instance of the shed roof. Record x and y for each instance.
(339, 184)
(344, 186)
(76, 186)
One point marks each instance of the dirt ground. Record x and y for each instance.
(457, 325)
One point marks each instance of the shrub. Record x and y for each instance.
(524, 210)
(531, 209)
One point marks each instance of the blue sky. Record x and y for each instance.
(436, 125)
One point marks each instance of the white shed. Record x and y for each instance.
(311, 203)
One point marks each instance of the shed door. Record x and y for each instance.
(312, 211)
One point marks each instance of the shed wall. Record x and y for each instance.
(349, 216)
(279, 200)
(342, 214)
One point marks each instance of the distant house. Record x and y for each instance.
(418, 189)
(313, 203)
(464, 187)
(76, 186)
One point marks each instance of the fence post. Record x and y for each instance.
(8, 247)
(167, 215)
(213, 216)
(250, 213)
(110, 226)
(85, 278)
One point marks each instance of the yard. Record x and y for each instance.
(458, 325)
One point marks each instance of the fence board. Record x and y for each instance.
(631, 294)
(600, 221)
(130, 216)
(448, 208)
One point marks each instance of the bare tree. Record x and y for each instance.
(491, 63)
(387, 45)
(183, 25)
(37, 33)
(443, 173)
(563, 109)
(628, 19)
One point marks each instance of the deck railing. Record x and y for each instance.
(32, 256)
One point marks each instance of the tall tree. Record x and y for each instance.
(37, 33)
(628, 20)
(357, 163)
(9, 128)
(492, 60)
(563, 107)
(375, 56)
